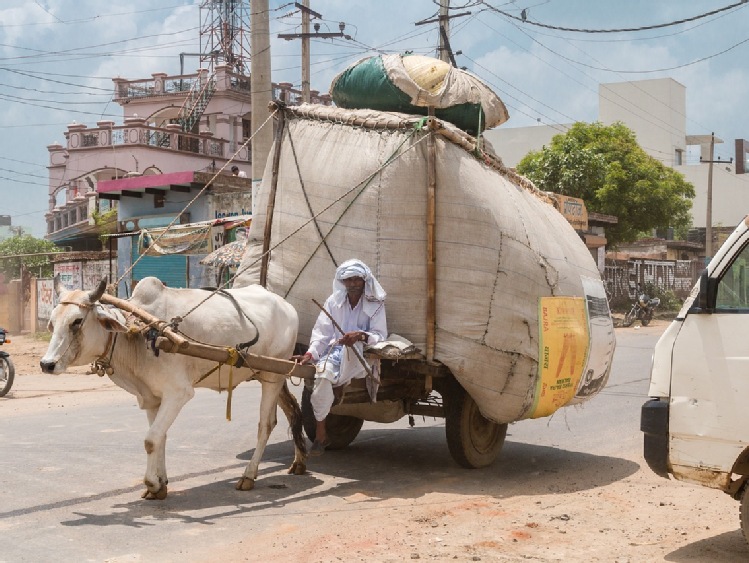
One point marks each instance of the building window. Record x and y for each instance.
(678, 157)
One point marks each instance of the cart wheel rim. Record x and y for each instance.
(484, 433)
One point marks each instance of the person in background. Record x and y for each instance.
(235, 171)
(358, 306)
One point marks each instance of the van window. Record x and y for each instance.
(733, 293)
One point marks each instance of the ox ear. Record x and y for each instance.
(59, 288)
(95, 295)
(111, 318)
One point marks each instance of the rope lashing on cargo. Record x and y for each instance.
(306, 199)
(193, 200)
(418, 127)
(364, 182)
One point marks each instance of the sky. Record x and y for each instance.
(58, 58)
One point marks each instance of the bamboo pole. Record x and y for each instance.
(224, 356)
(431, 223)
(179, 341)
(272, 196)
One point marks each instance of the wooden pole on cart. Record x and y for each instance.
(431, 222)
(272, 195)
(224, 356)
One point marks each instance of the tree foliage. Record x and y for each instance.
(604, 165)
(10, 259)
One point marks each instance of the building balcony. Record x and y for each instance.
(180, 85)
(136, 133)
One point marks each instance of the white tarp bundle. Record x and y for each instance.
(521, 316)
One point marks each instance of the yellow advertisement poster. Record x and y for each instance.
(563, 351)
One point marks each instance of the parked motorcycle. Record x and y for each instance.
(7, 370)
(642, 310)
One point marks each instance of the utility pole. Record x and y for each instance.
(261, 87)
(709, 218)
(305, 51)
(445, 50)
(305, 36)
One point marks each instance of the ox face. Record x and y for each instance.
(73, 318)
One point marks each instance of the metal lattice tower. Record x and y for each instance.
(225, 34)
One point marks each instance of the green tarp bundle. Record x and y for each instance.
(412, 83)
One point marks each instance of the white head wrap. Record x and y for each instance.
(357, 269)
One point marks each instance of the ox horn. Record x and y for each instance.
(96, 294)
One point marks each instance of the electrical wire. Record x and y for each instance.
(524, 19)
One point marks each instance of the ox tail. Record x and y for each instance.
(290, 406)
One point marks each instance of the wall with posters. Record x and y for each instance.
(45, 301)
(83, 274)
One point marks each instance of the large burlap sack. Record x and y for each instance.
(412, 83)
(521, 321)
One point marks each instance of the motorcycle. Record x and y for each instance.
(7, 370)
(642, 310)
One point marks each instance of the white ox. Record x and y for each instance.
(82, 332)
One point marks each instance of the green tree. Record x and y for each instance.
(10, 259)
(604, 166)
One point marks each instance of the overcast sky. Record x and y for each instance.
(57, 59)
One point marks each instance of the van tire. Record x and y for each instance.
(744, 513)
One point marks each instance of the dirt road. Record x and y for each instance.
(538, 502)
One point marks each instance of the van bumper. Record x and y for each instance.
(654, 425)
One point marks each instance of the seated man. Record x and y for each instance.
(358, 306)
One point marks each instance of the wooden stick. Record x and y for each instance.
(272, 198)
(222, 355)
(158, 324)
(431, 225)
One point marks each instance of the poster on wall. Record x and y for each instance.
(45, 300)
(93, 272)
(71, 274)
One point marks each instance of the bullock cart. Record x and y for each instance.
(499, 295)
(404, 388)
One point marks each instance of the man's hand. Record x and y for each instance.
(350, 338)
(303, 358)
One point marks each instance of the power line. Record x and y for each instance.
(524, 19)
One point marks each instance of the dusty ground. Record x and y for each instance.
(538, 515)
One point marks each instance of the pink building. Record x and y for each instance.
(194, 122)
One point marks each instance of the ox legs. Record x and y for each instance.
(160, 420)
(290, 408)
(272, 386)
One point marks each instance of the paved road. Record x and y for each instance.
(71, 468)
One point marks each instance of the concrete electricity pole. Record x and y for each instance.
(445, 50)
(261, 86)
(709, 218)
(305, 51)
(305, 37)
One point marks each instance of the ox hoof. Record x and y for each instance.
(158, 495)
(297, 468)
(245, 484)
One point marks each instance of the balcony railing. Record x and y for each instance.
(163, 85)
(147, 136)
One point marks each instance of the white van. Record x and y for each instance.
(696, 424)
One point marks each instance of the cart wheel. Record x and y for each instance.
(473, 441)
(342, 430)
